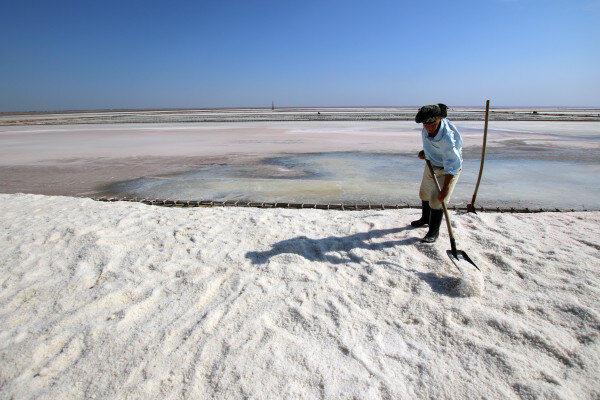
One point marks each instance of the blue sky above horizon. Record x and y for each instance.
(67, 55)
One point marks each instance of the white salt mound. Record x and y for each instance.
(124, 300)
(470, 282)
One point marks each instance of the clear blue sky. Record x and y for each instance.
(79, 54)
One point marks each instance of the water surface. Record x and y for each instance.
(387, 178)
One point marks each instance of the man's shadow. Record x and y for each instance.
(318, 249)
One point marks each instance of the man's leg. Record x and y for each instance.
(437, 214)
(424, 220)
(424, 194)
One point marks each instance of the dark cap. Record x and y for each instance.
(430, 113)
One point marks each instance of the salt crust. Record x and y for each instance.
(124, 300)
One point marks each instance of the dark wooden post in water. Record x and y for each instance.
(471, 207)
(272, 105)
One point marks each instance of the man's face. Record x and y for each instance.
(433, 127)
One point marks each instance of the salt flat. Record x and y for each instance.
(239, 161)
(124, 300)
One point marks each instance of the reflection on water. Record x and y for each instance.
(356, 177)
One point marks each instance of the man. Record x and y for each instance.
(442, 146)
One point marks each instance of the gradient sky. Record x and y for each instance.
(60, 55)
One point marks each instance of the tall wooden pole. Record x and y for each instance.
(471, 207)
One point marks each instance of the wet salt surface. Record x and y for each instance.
(528, 164)
(351, 177)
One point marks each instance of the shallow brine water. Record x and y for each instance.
(528, 164)
(376, 178)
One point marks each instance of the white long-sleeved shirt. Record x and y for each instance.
(445, 149)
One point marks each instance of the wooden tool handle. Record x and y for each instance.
(450, 232)
(471, 207)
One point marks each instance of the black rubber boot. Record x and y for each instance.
(424, 216)
(435, 220)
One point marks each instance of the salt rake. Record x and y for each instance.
(457, 256)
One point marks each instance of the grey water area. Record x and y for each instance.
(516, 178)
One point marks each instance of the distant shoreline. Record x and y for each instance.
(570, 114)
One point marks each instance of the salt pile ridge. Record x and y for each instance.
(124, 300)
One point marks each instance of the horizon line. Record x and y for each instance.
(276, 108)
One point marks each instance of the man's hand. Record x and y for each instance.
(443, 194)
(422, 154)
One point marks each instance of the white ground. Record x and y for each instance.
(25, 145)
(50, 144)
(123, 300)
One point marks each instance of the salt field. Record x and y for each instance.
(211, 200)
(528, 163)
(126, 301)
